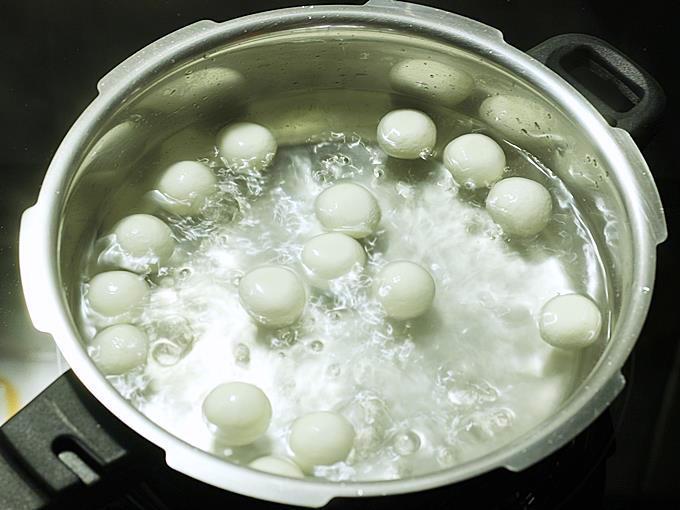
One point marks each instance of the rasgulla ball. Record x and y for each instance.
(246, 144)
(570, 321)
(348, 208)
(273, 295)
(474, 160)
(116, 292)
(517, 117)
(277, 466)
(520, 206)
(405, 289)
(143, 235)
(407, 134)
(237, 413)
(329, 256)
(321, 439)
(186, 185)
(432, 81)
(119, 349)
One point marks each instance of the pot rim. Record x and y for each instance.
(39, 244)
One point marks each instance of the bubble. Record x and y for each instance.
(407, 443)
(177, 330)
(172, 339)
(166, 353)
(334, 370)
(242, 354)
(316, 345)
(220, 208)
(184, 273)
(446, 457)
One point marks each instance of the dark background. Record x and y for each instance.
(53, 53)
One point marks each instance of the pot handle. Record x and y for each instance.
(65, 450)
(626, 95)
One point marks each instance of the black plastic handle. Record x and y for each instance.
(64, 448)
(625, 94)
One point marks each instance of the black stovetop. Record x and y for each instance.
(53, 53)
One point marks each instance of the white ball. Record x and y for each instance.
(405, 289)
(474, 160)
(237, 413)
(432, 81)
(520, 206)
(116, 292)
(571, 321)
(407, 134)
(277, 466)
(321, 439)
(273, 295)
(186, 184)
(517, 117)
(145, 236)
(246, 144)
(348, 208)
(329, 256)
(119, 349)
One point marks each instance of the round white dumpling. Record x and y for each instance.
(277, 466)
(186, 185)
(237, 413)
(518, 118)
(570, 321)
(432, 81)
(321, 439)
(145, 236)
(273, 295)
(246, 144)
(474, 160)
(407, 134)
(119, 349)
(348, 208)
(520, 206)
(405, 289)
(329, 256)
(116, 292)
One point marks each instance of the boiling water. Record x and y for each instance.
(422, 395)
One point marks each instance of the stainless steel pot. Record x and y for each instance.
(256, 66)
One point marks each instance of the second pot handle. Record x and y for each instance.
(625, 94)
(66, 450)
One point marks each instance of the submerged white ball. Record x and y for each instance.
(277, 466)
(143, 235)
(119, 349)
(570, 321)
(246, 144)
(237, 413)
(431, 81)
(405, 289)
(474, 160)
(520, 206)
(186, 185)
(329, 256)
(273, 295)
(407, 134)
(348, 208)
(321, 439)
(518, 118)
(116, 292)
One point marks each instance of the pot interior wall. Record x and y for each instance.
(308, 81)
